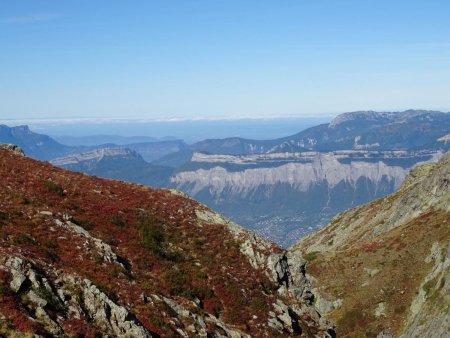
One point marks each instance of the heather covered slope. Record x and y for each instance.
(385, 266)
(81, 255)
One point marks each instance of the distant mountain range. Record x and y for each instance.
(368, 130)
(409, 130)
(43, 147)
(281, 188)
(116, 163)
(35, 145)
(287, 187)
(94, 140)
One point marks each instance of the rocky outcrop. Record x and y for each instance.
(198, 324)
(71, 297)
(13, 148)
(427, 187)
(259, 254)
(296, 313)
(429, 313)
(75, 298)
(109, 316)
(103, 249)
(35, 290)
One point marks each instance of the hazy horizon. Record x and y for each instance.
(188, 130)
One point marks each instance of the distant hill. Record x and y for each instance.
(233, 146)
(95, 140)
(117, 163)
(33, 144)
(44, 147)
(152, 151)
(410, 130)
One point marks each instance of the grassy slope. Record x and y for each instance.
(180, 258)
(374, 257)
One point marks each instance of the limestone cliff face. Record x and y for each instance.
(94, 156)
(284, 196)
(383, 268)
(300, 176)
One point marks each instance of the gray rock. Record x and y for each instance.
(115, 320)
(17, 269)
(35, 299)
(111, 317)
(49, 324)
(22, 272)
(13, 148)
(286, 269)
(103, 249)
(385, 334)
(428, 316)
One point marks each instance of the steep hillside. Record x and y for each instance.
(80, 256)
(385, 266)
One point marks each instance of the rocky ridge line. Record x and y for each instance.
(288, 271)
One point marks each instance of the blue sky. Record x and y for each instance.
(218, 58)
